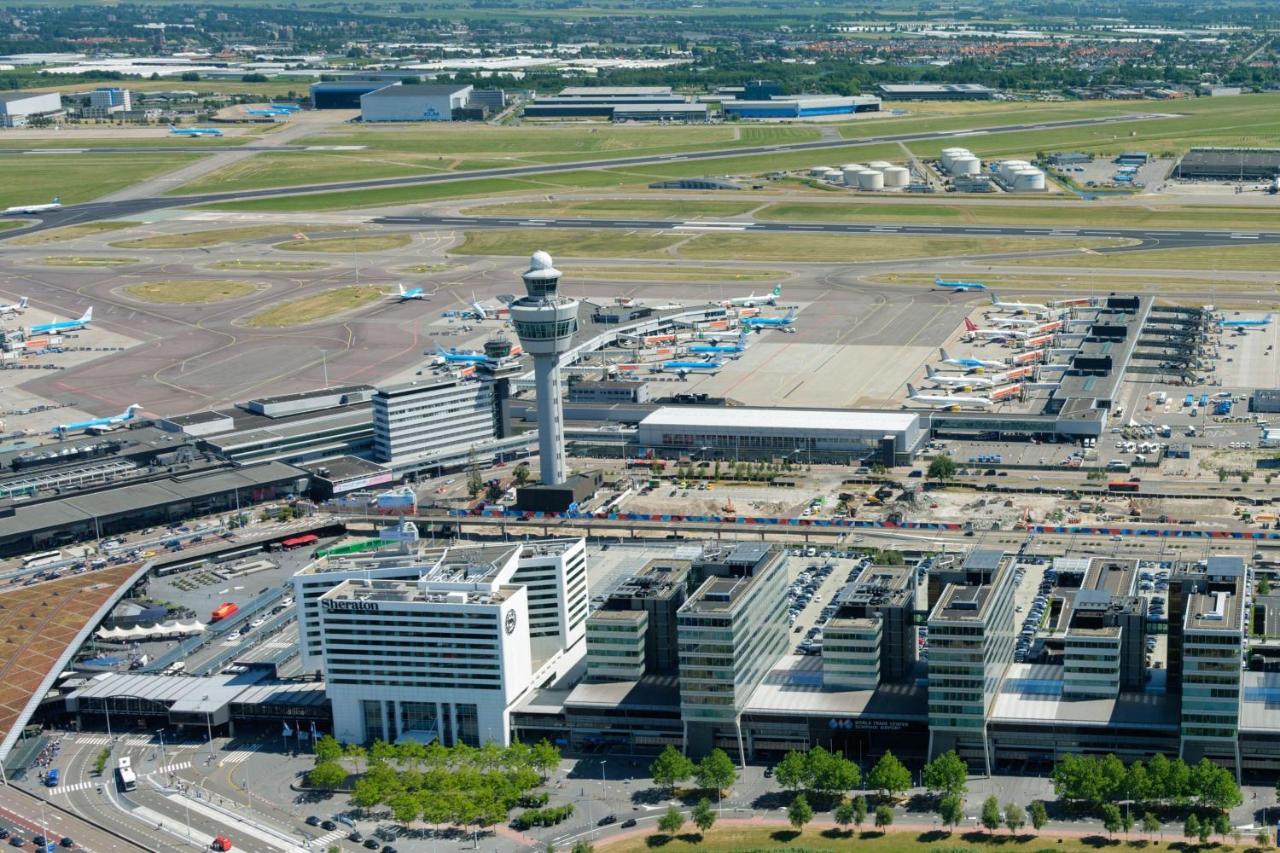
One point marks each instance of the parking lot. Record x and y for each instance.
(1105, 173)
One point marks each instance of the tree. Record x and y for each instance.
(1191, 829)
(844, 815)
(405, 808)
(1126, 820)
(1150, 824)
(942, 468)
(792, 772)
(1014, 817)
(327, 775)
(951, 810)
(859, 811)
(946, 774)
(889, 776)
(991, 817)
(1264, 586)
(1039, 815)
(1111, 818)
(831, 773)
(670, 768)
(475, 480)
(544, 757)
(671, 822)
(582, 847)
(1206, 829)
(355, 752)
(716, 771)
(884, 817)
(799, 812)
(521, 473)
(1263, 838)
(704, 816)
(1221, 824)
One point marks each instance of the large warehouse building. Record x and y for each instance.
(1229, 164)
(935, 92)
(418, 102)
(801, 106)
(18, 108)
(797, 434)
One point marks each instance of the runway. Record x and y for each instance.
(1148, 238)
(94, 211)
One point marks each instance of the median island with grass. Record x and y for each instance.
(321, 306)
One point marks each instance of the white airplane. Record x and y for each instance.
(413, 293)
(966, 382)
(15, 308)
(98, 424)
(970, 363)
(481, 311)
(770, 298)
(971, 328)
(1020, 307)
(56, 204)
(945, 401)
(1016, 321)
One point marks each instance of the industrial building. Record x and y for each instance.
(935, 92)
(18, 108)
(1265, 400)
(108, 101)
(1228, 164)
(800, 106)
(343, 94)
(639, 103)
(798, 435)
(413, 102)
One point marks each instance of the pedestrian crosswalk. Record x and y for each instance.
(103, 740)
(332, 836)
(74, 786)
(239, 756)
(174, 768)
(94, 740)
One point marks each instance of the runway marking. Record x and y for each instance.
(1244, 236)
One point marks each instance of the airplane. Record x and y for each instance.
(56, 204)
(412, 293)
(771, 321)
(969, 363)
(194, 131)
(1017, 321)
(15, 308)
(1028, 307)
(453, 356)
(770, 298)
(289, 108)
(711, 349)
(683, 367)
(480, 311)
(966, 382)
(268, 112)
(957, 286)
(97, 424)
(63, 325)
(1244, 324)
(945, 401)
(971, 328)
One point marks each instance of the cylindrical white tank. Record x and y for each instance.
(879, 165)
(870, 179)
(818, 172)
(1027, 180)
(896, 176)
(964, 165)
(852, 167)
(830, 174)
(949, 154)
(1008, 168)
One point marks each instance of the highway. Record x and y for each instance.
(1148, 238)
(94, 211)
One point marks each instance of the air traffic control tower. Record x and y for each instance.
(546, 322)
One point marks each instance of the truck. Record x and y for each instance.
(223, 611)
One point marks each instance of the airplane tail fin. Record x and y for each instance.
(57, 199)
(791, 315)
(969, 325)
(995, 300)
(127, 415)
(911, 391)
(777, 290)
(929, 371)
(401, 286)
(937, 281)
(88, 315)
(22, 302)
(943, 352)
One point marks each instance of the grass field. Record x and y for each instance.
(680, 272)
(1264, 257)
(76, 178)
(339, 245)
(104, 138)
(757, 839)
(69, 232)
(1083, 283)
(211, 237)
(427, 269)
(6, 224)
(655, 207)
(189, 292)
(86, 261)
(832, 248)
(318, 307)
(269, 266)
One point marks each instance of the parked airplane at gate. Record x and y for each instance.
(752, 301)
(14, 308)
(972, 328)
(685, 367)
(1245, 324)
(63, 325)
(945, 401)
(712, 349)
(194, 131)
(98, 424)
(56, 204)
(454, 356)
(412, 293)
(966, 382)
(771, 321)
(957, 286)
(1020, 307)
(969, 363)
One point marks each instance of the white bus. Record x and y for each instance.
(44, 558)
(125, 777)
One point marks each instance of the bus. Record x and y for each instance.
(125, 778)
(44, 558)
(1123, 486)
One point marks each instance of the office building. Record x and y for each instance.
(110, 98)
(18, 108)
(657, 592)
(970, 650)
(872, 634)
(442, 642)
(493, 100)
(546, 322)
(615, 645)
(437, 418)
(413, 102)
(608, 391)
(1213, 632)
(731, 631)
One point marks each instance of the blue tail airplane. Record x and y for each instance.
(98, 424)
(195, 131)
(453, 356)
(1245, 324)
(412, 293)
(63, 325)
(713, 349)
(771, 321)
(957, 286)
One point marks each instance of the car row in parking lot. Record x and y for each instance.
(1035, 615)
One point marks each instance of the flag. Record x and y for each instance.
(313, 729)
(287, 731)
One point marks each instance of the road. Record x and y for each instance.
(98, 210)
(1149, 238)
